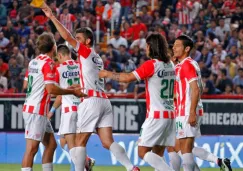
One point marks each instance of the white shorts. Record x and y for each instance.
(157, 132)
(184, 129)
(94, 113)
(68, 123)
(36, 126)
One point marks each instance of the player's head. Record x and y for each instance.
(63, 53)
(182, 46)
(46, 44)
(85, 36)
(157, 47)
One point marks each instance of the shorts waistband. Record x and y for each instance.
(161, 114)
(28, 109)
(93, 93)
(70, 109)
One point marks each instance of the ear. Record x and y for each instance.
(187, 49)
(88, 41)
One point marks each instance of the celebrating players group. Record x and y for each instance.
(174, 108)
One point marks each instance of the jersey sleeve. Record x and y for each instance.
(144, 71)
(82, 50)
(26, 75)
(189, 72)
(48, 71)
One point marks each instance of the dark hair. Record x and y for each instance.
(158, 47)
(224, 71)
(45, 42)
(240, 69)
(88, 34)
(186, 41)
(63, 49)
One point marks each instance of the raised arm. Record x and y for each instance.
(120, 77)
(66, 35)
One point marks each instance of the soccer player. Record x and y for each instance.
(158, 130)
(189, 109)
(95, 111)
(67, 74)
(41, 83)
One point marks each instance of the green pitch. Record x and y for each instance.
(16, 167)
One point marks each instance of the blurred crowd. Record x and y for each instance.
(214, 25)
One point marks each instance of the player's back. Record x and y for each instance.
(40, 72)
(67, 74)
(160, 87)
(90, 65)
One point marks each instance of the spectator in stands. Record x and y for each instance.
(195, 54)
(118, 40)
(220, 52)
(233, 39)
(145, 17)
(230, 67)
(3, 81)
(122, 88)
(222, 31)
(127, 32)
(217, 65)
(108, 88)
(212, 28)
(203, 68)
(239, 90)
(124, 55)
(68, 20)
(14, 73)
(9, 30)
(157, 18)
(3, 42)
(206, 57)
(126, 6)
(138, 26)
(223, 81)
(3, 67)
(196, 6)
(111, 12)
(212, 41)
(209, 88)
(99, 9)
(238, 79)
(98, 50)
(175, 29)
(239, 59)
(233, 54)
(24, 12)
(29, 51)
(228, 90)
(141, 42)
(113, 54)
(13, 12)
(3, 14)
(24, 30)
(199, 40)
(184, 7)
(18, 56)
(74, 8)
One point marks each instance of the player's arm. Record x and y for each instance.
(194, 96)
(25, 83)
(66, 35)
(56, 104)
(144, 71)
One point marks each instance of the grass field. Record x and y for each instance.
(16, 167)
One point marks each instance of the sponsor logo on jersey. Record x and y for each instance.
(33, 70)
(97, 60)
(50, 75)
(51, 64)
(163, 73)
(72, 67)
(68, 74)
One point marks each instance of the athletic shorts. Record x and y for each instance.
(157, 132)
(36, 126)
(184, 129)
(94, 113)
(68, 123)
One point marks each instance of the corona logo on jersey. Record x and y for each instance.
(163, 73)
(68, 74)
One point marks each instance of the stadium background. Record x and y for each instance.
(214, 25)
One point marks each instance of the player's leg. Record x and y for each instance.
(174, 157)
(106, 137)
(31, 149)
(203, 154)
(159, 151)
(64, 146)
(50, 146)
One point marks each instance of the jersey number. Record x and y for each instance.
(73, 81)
(167, 90)
(30, 82)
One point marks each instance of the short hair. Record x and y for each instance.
(186, 41)
(158, 47)
(45, 42)
(88, 34)
(224, 71)
(63, 49)
(240, 69)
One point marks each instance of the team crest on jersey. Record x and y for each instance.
(51, 64)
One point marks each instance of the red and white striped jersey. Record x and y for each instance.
(159, 80)
(186, 72)
(90, 65)
(184, 12)
(41, 71)
(67, 74)
(67, 21)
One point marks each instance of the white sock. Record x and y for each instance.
(47, 167)
(196, 167)
(175, 161)
(156, 162)
(65, 148)
(188, 162)
(26, 169)
(179, 153)
(78, 156)
(120, 154)
(203, 154)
